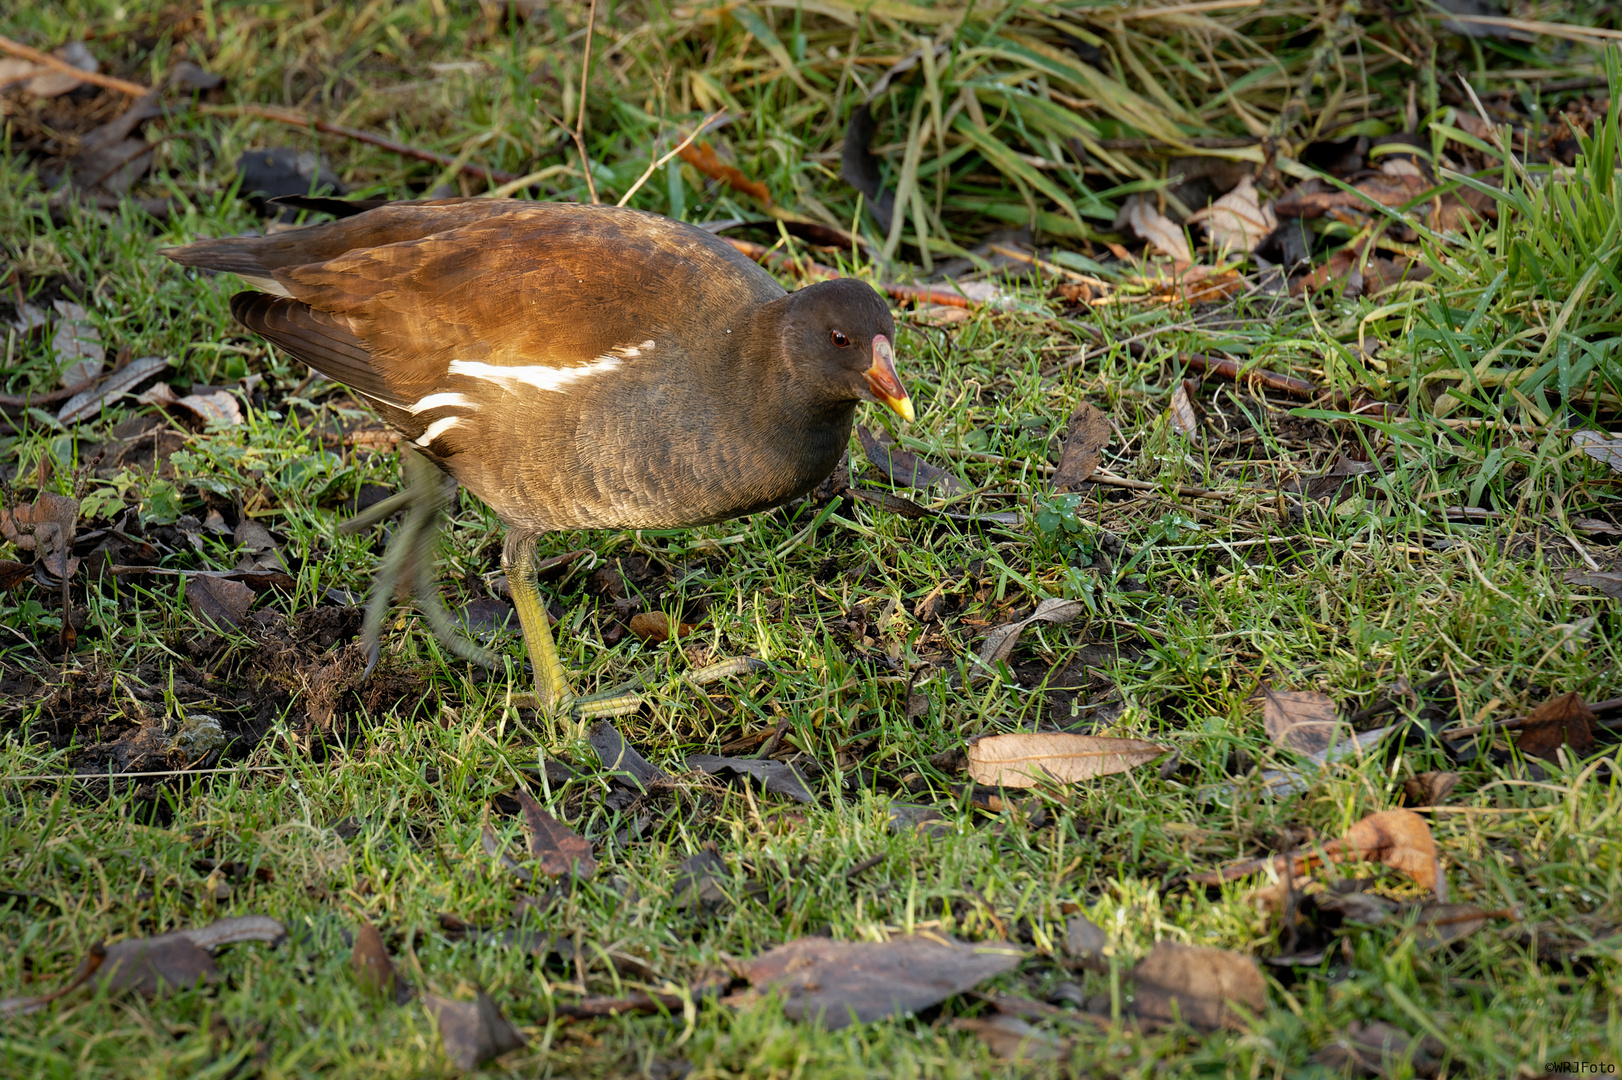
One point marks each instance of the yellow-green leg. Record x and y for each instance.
(552, 692)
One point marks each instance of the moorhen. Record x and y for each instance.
(574, 366)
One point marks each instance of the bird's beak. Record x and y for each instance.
(884, 382)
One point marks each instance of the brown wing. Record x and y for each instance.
(384, 301)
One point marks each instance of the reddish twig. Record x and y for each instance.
(915, 294)
(17, 48)
(1229, 369)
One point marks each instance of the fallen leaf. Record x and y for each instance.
(1600, 446)
(1201, 986)
(149, 964)
(1088, 434)
(1279, 782)
(23, 1006)
(372, 968)
(1302, 720)
(1029, 759)
(50, 82)
(775, 776)
(1399, 838)
(657, 626)
(702, 156)
(902, 466)
(492, 847)
(1609, 583)
(559, 848)
(47, 526)
(1013, 1039)
(840, 982)
(89, 403)
(910, 818)
(1561, 721)
(76, 346)
(1084, 941)
(1439, 924)
(1000, 641)
(1237, 221)
(1429, 788)
(236, 929)
(1158, 230)
(472, 1032)
(697, 885)
(622, 758)
(1182, 414)
(1379, 1049)
(219, 601)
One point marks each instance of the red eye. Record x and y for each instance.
(839, 339)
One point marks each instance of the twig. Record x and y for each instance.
(281, 116)
(160, 772)
(109, 82)
(912, 293)
(1107, 479)
(684, 144)
(297, 119)
(1519, 722)
(1228, 369)
(579, 131)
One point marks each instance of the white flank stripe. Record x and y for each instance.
(268, 284)
(436, 429)
(536, 376)
(439, 401)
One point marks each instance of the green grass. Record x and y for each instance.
(379, 814)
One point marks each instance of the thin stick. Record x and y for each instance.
(580, 121)
(684, 144)
(296, 119)
(1520, 721)
(160, 772)
(17, 48)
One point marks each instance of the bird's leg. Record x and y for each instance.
(409, 560)
(552, 692)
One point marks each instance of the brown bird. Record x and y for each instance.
(573, 366)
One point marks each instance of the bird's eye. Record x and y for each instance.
(839, 339)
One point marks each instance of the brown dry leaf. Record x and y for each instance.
(658, 626)
(14, 573)
(1562, 721)
(1000, 641)
(940, 314)
(1202, 986)
(559, 848)
(702, 156)
(373, 970)
(1088, 435)
(1380, 1049)
(219, 601)
(776, 776)
(1029, 759)
(622, 758)
(838, 982)
(1182, 414)
(1608, 583)
(472, 1032)
(1013, 1039)
(1303, 720)
(1399, 838)
(904, 467)
(1237, 221)
(149, 964)
(1429, 788)
(1084, 941)
(1158, 230)
(47, 525)
(1442, 923)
